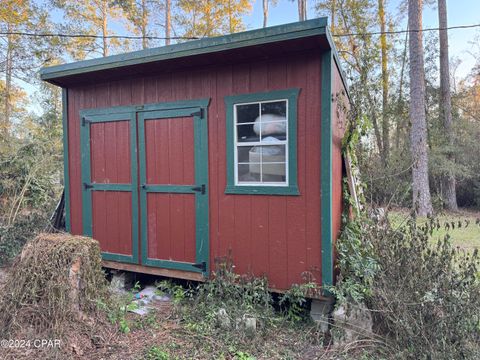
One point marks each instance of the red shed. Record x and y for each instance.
(228, 146)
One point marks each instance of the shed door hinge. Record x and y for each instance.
(87, 186)
(85, 121)
(201, 189)
(202, 266)
(199, 113)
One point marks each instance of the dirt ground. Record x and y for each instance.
(101, 340)
(3, 275)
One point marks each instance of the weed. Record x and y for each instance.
(240, 355)
(425, 297)
(294, 300)
(157, 353)
(177, 292)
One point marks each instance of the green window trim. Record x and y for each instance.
(230, 101)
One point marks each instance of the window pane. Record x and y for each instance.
(246, 133)
(243, 154)
(274, 131)
(248, 173)
(278, 108)
(266, 162)
(271, 153)
(274, 172)
(247, 113)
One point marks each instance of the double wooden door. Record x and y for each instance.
(145, 183)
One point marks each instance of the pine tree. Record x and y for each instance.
(208, 18)
(422, 202)
(91, 17)
(140, 13)
(450, 196)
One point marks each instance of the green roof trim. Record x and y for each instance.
(267, 35)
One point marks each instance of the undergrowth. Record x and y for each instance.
(14, 237)
(425, 297)
(234, 316)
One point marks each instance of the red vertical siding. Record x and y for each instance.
(171, 226)
(277, 236)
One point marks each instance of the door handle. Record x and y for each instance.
(144, 186)
(201, 189)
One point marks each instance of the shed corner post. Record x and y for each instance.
(326, 170)
(66, 176)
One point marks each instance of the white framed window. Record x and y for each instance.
(261, 143)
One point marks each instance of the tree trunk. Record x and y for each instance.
(167, 21)
(450, 196)
(422, 202)
(144, 24)
(302, 10)
(265, 12)
(385, 124)
(332, 10)
(400, 119)
(230, 17)
(8, 83)
(104, 28)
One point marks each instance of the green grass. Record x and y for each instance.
(465, 237)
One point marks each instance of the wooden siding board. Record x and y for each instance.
(296, 206)
(66, 151)
(225, 217)
(242, 81)
(74, 161)
(136, 90)
(278, 267)
(259, 248)
(312, 161)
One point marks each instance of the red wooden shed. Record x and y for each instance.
(229, 146)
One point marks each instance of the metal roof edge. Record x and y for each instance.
(289, 31)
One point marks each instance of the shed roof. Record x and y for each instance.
(270, 41)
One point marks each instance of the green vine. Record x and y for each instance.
(356, 262)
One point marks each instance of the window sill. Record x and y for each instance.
(262, 190)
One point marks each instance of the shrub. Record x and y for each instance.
(13, 237)
(237, 295)
(425, 297)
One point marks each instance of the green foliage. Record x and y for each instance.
(237, 295)
(177, 292)
(240, 355)
(157, 353)
(426, 296)
(14, 237)
(211, 18)
(356, 261)
(294, 301)
(216, 313)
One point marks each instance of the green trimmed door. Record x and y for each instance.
(109, 182)
(173, 162)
